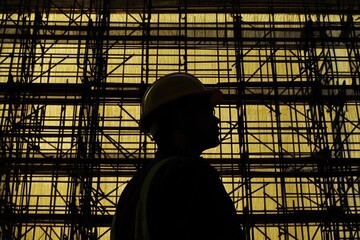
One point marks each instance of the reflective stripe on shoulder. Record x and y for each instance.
(141, 226)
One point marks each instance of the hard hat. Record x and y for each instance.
(169, 88)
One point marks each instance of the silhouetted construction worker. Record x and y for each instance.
(179, 196)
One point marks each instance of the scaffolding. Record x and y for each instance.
(72, 74)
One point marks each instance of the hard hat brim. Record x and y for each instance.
(215, 97)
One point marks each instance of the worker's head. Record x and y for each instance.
(178, 109)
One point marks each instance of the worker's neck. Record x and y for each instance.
(180, 143)
(168, 151)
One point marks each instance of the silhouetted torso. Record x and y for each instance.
(186, 201)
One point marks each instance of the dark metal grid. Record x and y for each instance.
(70, 96)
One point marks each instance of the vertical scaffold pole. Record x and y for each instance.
(242, 123)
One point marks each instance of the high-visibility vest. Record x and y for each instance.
(141, 223)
